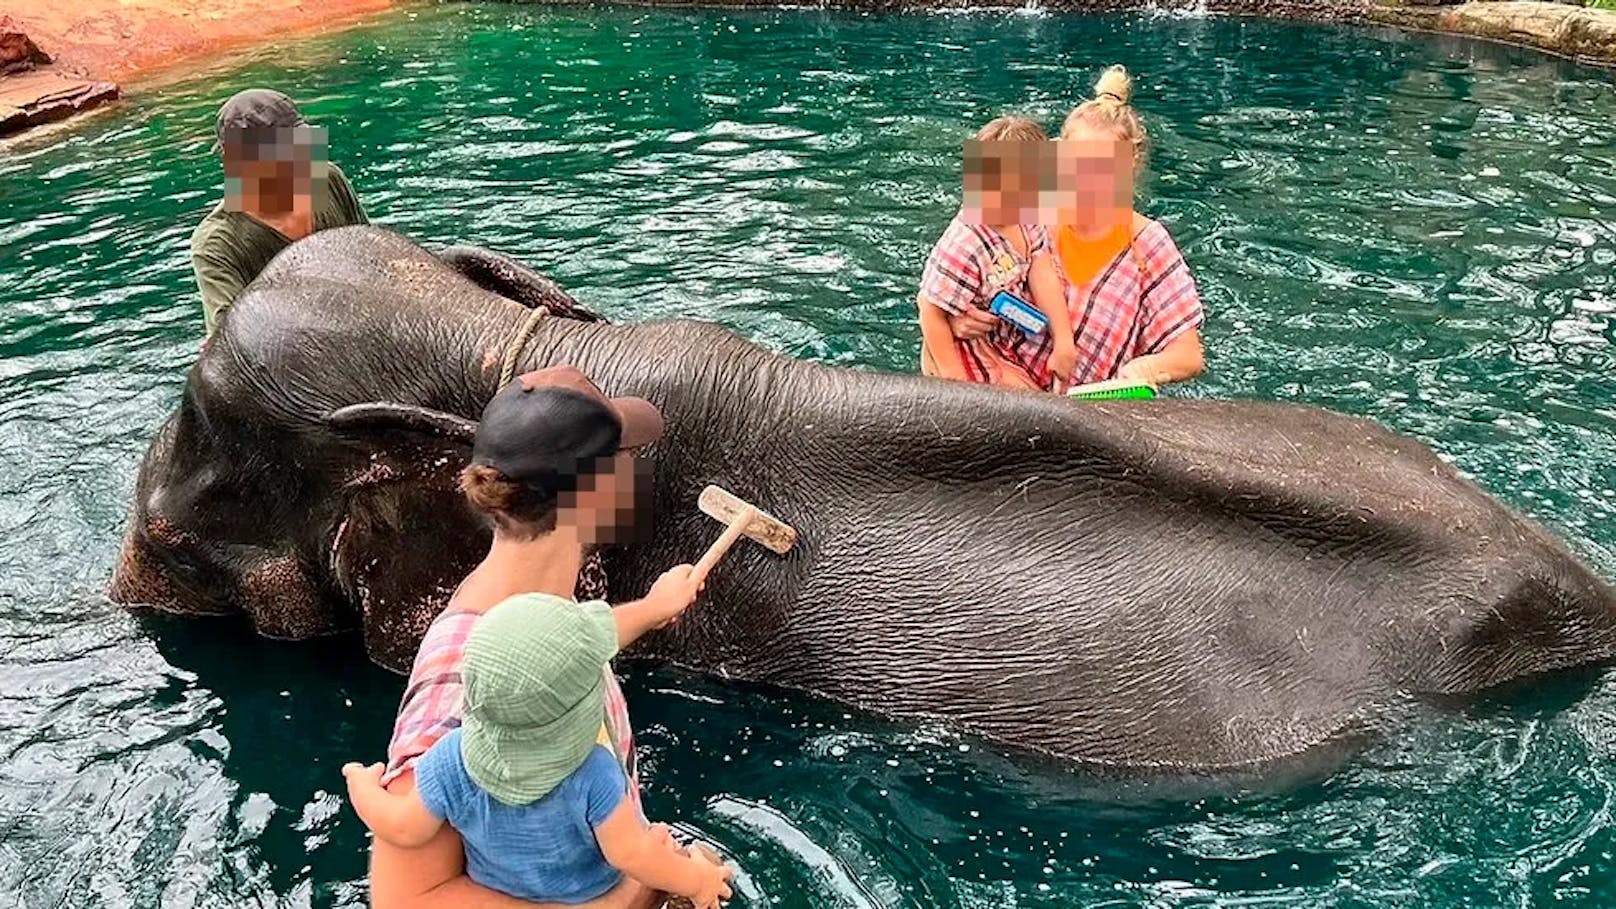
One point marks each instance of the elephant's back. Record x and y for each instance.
(1184, 583)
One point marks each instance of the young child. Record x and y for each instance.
(991, 247)
(540, 802)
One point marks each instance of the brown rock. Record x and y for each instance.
(17, 51)
(1591, 35)
(117, 39)
(43, 95)
(1559, 28)
(1562, 29)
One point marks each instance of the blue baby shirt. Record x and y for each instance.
(544, 851)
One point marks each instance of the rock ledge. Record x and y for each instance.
(33, 91)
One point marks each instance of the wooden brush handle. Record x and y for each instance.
(721, 546)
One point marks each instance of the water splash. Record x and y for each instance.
(1175, 9)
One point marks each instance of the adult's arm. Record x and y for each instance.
(1181, 360)
(1171, 311)
(935, 337)
(220, 283)
(347, 200)
(669, 597)
(429, 877)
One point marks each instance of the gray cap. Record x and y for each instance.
(255, 109)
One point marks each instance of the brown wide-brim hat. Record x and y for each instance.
(550, 426)
(640, 420)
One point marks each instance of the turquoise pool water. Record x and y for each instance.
(1415, 229)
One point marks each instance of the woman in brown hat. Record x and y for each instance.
(552, 465)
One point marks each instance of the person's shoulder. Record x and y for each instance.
(338, 187)
(212, 230)
(337, 182)
(441, 647)
(599, 782)
(441, 767)
(961, 237)
(960, 229)
(1152, 240)
(452, 615)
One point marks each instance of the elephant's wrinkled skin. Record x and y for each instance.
(1180, 583)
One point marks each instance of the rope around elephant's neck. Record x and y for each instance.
(513, 350)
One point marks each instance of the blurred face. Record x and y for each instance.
(608, 501)
(271, 171)
(1003, 180)
(1094, 183)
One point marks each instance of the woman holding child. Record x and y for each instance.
(509, 778)
(1116, 293)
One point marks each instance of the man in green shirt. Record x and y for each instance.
(278, 189)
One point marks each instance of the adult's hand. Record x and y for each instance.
(972, 324)
(1182, 359)
(1145, 369)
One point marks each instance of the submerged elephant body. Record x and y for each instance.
(1179, 584)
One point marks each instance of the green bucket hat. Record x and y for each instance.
(535, 693)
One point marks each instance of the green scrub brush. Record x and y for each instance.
(1113, 390)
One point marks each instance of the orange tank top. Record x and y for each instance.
(1083, 257)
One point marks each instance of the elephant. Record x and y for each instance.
(1178, 584)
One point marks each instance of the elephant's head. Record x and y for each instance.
(301, 507)
(220, 527)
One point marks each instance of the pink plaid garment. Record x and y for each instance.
(433, 699)
(969, 265)
(1137, 305)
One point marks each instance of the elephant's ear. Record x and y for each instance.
(386, 415)
(380, 557)
(512, 280)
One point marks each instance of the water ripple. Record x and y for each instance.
(1414, 228)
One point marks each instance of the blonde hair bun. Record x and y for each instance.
(1114, 85)
(1110, 112)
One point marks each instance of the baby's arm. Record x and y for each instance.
(1050, 299)
(400, 819)
(632, 848)
(950, 284)
(938, 339)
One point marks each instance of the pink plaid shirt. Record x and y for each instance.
(1138, 304)
(433, 701)
(969, 265)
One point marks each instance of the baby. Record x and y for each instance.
(989, 248)
(542, 805)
